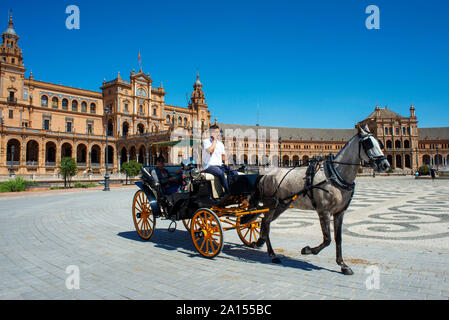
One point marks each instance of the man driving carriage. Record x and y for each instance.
(214, 157)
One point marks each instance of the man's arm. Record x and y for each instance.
(211, 149)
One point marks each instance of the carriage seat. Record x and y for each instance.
(217, 188)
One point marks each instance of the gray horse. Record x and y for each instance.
(329, 193)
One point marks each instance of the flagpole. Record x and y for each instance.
(140, 62)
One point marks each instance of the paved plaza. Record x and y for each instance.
(395, 238)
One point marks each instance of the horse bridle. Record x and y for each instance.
(366, 143)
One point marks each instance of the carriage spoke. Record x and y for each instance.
(247, 230)
(204, 241)
(215, 242)
(212, 248)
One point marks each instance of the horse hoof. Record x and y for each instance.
(276, 260)
(254, 245)
(306, 250)
(347, 271)
(260, 243)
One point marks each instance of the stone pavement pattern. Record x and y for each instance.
(399, 225)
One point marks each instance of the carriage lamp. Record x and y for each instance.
(107, 110)
(11, 171)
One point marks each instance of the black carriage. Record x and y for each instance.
(201, 205)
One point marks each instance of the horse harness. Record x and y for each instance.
(315, 164)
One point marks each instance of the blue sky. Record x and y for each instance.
(281, 63)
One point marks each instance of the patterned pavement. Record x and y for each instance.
(395, 238)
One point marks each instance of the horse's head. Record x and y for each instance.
(370, 150)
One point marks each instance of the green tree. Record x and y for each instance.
(424, 171)
(68, 169)
(131, 169)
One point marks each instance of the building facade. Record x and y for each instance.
(406, 146)
(43, 122)
(40, 123)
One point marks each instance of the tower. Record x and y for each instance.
(198, 105)
(12, 69)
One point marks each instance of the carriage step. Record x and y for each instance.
(170, 228)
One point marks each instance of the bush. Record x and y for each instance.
(424, 171)
(16, 185)
(68, 169)
(79, 184)
(390, 169)
(131, 169)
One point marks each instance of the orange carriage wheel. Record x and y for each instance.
(144, 220)
(249, 233)
(187, 223)
(207, 233)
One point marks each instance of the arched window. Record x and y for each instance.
(389, 144)
(125, 129)
(154, 112)
(180, 121)
(44, 101)
(397, 144)
(406, 144)
(74, 105)
(65, 104)
(167, 119)
(83, 106)
(93, 108)
(140, 128)
(185, 122)
(54, 102)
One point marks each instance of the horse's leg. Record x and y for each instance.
(270, 250)
(265, 238)
(325, 228)
(338, 223)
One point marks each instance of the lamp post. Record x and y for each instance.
(417, 159)
(89, 171)
(437, 159)
(11, 171)
(280, 155)
(107, 110)
(147, 151)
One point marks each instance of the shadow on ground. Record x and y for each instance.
(181, 241)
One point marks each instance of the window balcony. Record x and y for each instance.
(11, 100)
(50, 164)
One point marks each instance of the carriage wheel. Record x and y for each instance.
(187, 223)
(207, 233)
(249, 233)
(144, 220)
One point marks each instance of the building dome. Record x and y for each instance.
(10, 31)
(198, 82)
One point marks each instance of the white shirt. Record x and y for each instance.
(214, 159)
